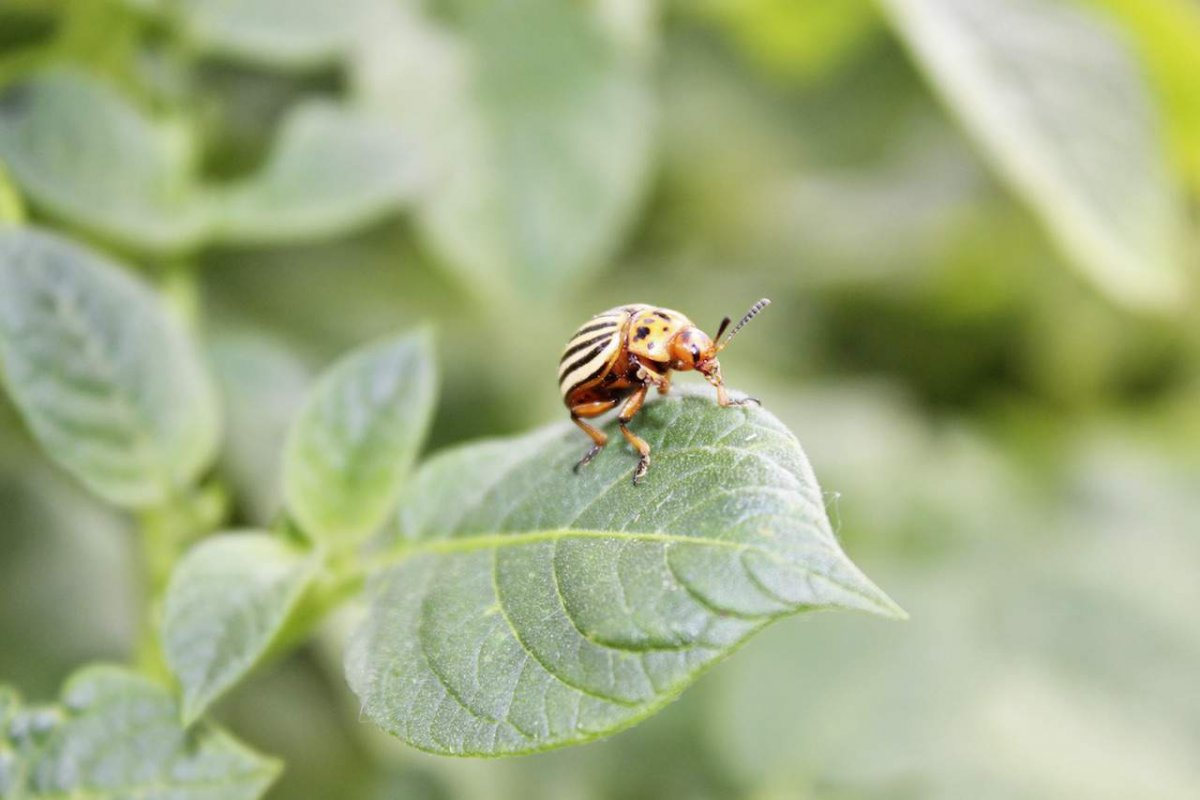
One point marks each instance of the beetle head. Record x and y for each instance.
(692, 349)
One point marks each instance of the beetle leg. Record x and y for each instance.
(599, 438)
(647, 375)
(631, 408)
(723, 398)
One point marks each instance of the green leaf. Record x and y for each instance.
(357, 438)
(1055, 100)
(117, 736)
(534, 608)
(263, 385)
(278, 33)
(332, 170)
(109, 384)
(83, 153)
(227, 603)
(536, 127)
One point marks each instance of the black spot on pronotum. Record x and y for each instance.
(642, 333)
(663, 315)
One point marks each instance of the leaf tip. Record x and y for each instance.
(877, 602)
(191, 709)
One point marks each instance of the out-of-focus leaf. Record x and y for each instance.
(118, 736)
(907, 201)
(1056, 101)
(897, 482)
(276, 33)
(332, 170)
(1165, 34)
(1037, 675)
(263, 385)
(800, 39)
(357, 438)
(227, 602)
(535, 608)
(537, 131)
(108, 382)
(82, 152)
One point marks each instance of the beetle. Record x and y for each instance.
(619, 354)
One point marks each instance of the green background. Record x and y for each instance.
(1007, 435)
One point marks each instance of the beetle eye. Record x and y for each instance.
(695, 352)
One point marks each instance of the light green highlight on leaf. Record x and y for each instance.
(109, 384)
(533, 608)
(117, 736)
(1165, 33)
(227, 603)
(357, 438)
(1059, 106)
(12, 210)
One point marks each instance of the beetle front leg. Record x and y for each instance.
(664, 384)
(647, 375)
(723, 398)
(630, 409)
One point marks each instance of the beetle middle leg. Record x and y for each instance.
(631, 408)
(599, 437)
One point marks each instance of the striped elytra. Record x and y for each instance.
(593, 348)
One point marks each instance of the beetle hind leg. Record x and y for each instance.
(598, 437)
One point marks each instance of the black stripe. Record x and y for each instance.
(582, 345)
(583, 360)
(608, 322)
(588, 379)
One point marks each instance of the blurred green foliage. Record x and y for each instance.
(1007, 435)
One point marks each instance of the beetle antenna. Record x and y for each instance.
(751, 314)
(724, 324)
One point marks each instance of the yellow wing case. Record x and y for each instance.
(593, 348)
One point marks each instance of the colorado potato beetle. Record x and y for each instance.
(620, 353)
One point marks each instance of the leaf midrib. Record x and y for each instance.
(496, 540)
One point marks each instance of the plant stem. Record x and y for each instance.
(161, 540)
(165, 532)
